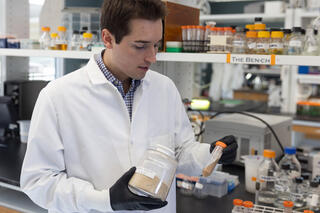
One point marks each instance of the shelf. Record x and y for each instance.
(306, 123)
(245, 18)
(309, 79)
(306, 14)
(180, 57)
(18, 201)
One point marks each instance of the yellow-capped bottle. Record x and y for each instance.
(263, 43)
(276, 43)
(62, 43)
(53, 45)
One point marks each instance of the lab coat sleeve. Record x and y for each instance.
(43, 176)
(192, 155)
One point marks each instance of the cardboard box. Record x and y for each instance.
(178, 15)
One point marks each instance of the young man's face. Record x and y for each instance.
(132, 57)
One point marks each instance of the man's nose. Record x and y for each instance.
(152, 55)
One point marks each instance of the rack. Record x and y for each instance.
(230, 18)
(266, 209)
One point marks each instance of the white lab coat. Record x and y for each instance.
(81, 140)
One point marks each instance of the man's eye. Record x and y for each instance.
(139, 47)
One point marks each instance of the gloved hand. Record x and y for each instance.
(121, 198)
(230, 152)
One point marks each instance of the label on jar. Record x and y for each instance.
(295, 43)
(279, 188)
(252, 45)
(276, 46)
(186, 185)
(146, 172)
(199, 185)
(268, 178)
(262, 46)
(238, 43)
(296, 196)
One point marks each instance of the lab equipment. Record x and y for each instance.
(76, 40)
(288, 205)
(313, 196)
(45, 38)
(298, 192)
(86, 43)
(53, 42)
(251, 165)
(239, 41)
(291, 160)
(267, 174)
(237, 206)
(282, 186)
(61, 42)
(215, 156)
(155, 172)
(186, 184)
(251, 42)
(252, 135)
(276, 43)
(263, 42)
(296, 42)
(24, 126)
(7, 116)
(311, 44)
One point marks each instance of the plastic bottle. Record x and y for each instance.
(263, 42)
(286, 39)
(247, 207)
(276, 43)
(251, 42)
(297, 192)
(313, 196)
(237, 206)
(215, 156)
(213, 33)
(311, 44)
(219, 47)
(282, 185)
(207, 38)
(45, 38)
(296, 42)
(288, 205)
(267, 173)
(53, 45)
(61, 42)
(229, 38)
(199, 39)
(239, 41)
(290, 158)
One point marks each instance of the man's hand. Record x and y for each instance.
(230, 152)
(121, 198)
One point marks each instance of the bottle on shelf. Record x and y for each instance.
(296, 42)
(290, 159)
(45, 38)
(229, 36)
(86, 43)
(237, 206)
(76, 40)
(311, 44)
(276, 42)
(61, 42)
(282, 186)
(263, 42)
(267, 174)
(286, 39)
(259, 27)
(251, 42)
(239, 41)
(258, 20)
(53, 41)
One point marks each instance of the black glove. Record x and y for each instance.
(230, 152)
(121, 198)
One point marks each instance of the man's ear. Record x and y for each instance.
(107, 38)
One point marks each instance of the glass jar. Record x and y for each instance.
(53, 42)
(288, 205)
(296, 42)
(251, 42)
(267, 175)
(276, 43)
(86, 43)
(237, 206)
(263, 42)
(311, 44)
(184, 38)
(45, 38)
(76, 40)
(239, 41)
(213, 33)
(229, 36)
(286, 39)
(155, 172)
(61, 42)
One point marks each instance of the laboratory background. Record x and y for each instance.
(249, 68)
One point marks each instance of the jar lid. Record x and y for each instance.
(163, 149)
(268, 153)
(308, 211)
(290, 150)
(251, 34)
(259, 26)
(276, 34)
(62, 29)
(248, 204)
(287, 203)
(87, 35)
(250, 26)
(237, 202)
(223, 145)
(54, 35)
(263, 34)
(45, 29)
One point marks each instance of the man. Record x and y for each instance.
(91, 126)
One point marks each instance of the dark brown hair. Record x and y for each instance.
(116, 14)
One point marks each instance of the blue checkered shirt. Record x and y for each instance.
(128, 98)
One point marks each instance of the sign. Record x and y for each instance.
(251, 59)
